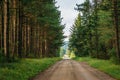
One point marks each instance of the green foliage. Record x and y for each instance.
(2, 57)
(103, 65)
(43, 35)
(92, 33)
(62, 52)
(113, 56)
(72, 55)
(25, 69)
(4, 60)
(49, 18)
(81, 31)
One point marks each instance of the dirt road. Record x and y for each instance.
(72, 70)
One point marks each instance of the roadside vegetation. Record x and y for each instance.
(95, 31)
(103, 65)
(25, 69)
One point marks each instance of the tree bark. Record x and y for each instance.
(116, 25)
(2, 27)
(20, 31)
(6, 29)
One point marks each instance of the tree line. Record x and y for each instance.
(29, 28)
(95, 31)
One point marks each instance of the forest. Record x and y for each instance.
(29, 28)
(33, 43)
(95, 31)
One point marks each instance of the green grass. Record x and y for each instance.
(103, 65)
(25, 69)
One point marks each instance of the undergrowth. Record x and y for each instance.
(25, 69)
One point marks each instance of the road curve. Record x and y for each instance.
(72, 70)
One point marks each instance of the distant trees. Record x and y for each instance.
(97, 34)
(29, 29)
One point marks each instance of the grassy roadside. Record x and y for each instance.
(103, 65)
(25, 69)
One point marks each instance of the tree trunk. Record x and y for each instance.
(2, 27)
(14, 28)
(6, 29)
(20, 32)
(116, 25)
(96, 30)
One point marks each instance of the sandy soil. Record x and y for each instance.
(72, 70)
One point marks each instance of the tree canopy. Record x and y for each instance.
(30, 29)
(96, 30)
